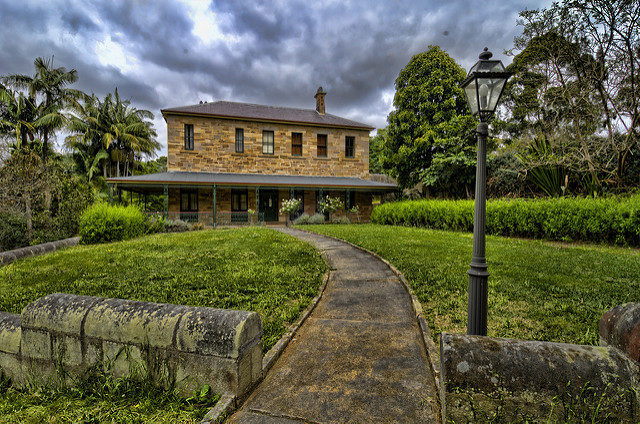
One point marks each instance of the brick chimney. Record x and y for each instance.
(320, 100)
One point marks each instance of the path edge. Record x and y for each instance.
(227, 405)
(429, 344)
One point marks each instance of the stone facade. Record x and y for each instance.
(214, 148)
(223, 203)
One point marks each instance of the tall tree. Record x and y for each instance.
(577, 85)
(112, 130)
(431, 119)
(50, 94)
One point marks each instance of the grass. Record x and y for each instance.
(255, 269)
(537, 290)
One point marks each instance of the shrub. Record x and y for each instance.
(613, 220)
(102, 223)
(13, 230)
(197, 226)
(176, 226)
(317, 218)
(302, 219)
(340, 220)
(156, 224)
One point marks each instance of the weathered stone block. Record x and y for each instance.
(67, 350)
(36, 344)
(620, 327)
(10, 332)
(58, 312)
(193, 371)
(122, 359)
(485, 377)
(133, 322)
(220, 332)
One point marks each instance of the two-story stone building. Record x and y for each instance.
(232, 162)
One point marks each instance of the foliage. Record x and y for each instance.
(375, 152)
(329, 205)
(577, 83)
(290, 206)
(103, 223)
(431, 117)
(111, 131)
(249, 268)
(506, 175)
(176, 226)
(100, 397)
(537, 290)
(340, 220)
(317, 218)
(49, 199)
(543, 169)
(44, 96)
(614, 220)
(13, 230)
(302, 219)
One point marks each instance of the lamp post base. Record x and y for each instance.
(478, 289)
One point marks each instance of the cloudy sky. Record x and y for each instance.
(166, 53)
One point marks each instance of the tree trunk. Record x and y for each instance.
(27, 206)
(104, 168)
(118, 168)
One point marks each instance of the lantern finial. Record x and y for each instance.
(486, 54)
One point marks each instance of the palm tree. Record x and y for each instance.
(17, 117)
(48, 89)
(115, 130)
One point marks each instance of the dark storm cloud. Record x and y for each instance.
(275, 53)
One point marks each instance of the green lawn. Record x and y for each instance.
(537, 290)
(253, 269)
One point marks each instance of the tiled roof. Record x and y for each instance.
(210, 178)
(265, 113)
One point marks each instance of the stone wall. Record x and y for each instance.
(223, 203)
(214, 148)
(191, 346)
(503, 380)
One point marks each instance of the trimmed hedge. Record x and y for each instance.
(103, 223)
(613, 220)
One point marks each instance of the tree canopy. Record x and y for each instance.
(431, 124)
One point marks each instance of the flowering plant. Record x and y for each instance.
(290, 206)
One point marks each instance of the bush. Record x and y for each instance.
(102, 223)
(317, 218)
(176, 226)
(13, 230)
(156, 224)
(613, 220)
(340, 220)
(302, 219)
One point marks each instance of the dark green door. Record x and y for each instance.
(269, 204)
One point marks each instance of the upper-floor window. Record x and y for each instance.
(188, 136)
(267, 142)
(322, 145)
(239, 140)
(296, 144)
(349, 146)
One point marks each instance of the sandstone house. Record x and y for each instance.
(231, 162)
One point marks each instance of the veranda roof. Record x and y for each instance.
(148, 182)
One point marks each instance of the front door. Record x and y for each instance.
(269, 204)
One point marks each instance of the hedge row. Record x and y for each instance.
(611, 220)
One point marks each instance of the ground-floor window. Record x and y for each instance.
(239, 205)
(349, 199)
(189, 204)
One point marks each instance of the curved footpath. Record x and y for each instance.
(359, 357)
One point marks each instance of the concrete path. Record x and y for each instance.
(358, 358)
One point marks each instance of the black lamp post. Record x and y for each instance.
(483, 88)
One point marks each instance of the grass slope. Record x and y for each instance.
(249, 268)
(537, 290)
